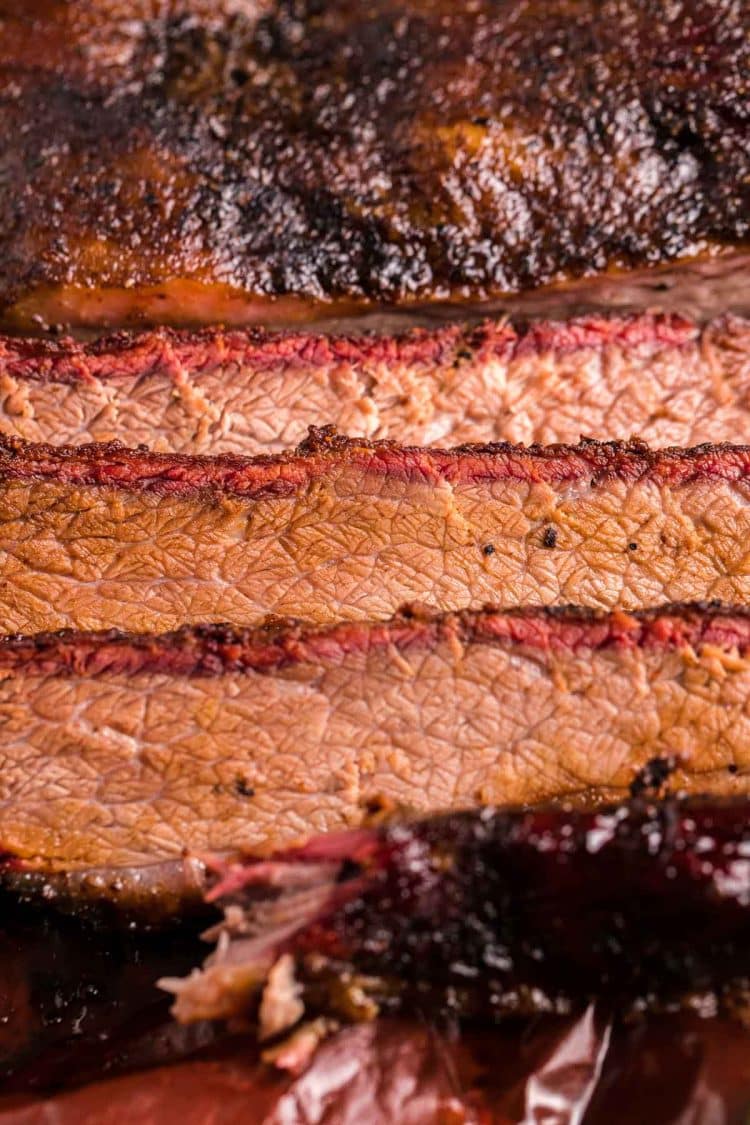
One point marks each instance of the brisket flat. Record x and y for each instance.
(664, 379)
(120, 752)
(482, 914)
(97, 537)
(234, 163)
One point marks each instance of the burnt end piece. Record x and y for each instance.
(488, 913)
(648, 902)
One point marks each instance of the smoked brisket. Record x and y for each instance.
(666, 380)
(229, 163)
(121, 753)
(483, 914)
(97, 537)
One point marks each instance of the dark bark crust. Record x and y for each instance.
(378, 153)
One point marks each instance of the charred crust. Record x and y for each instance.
(215, 140)
(324, 439)
(426, 903)
(652, 777)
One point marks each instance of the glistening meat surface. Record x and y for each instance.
(103, 1017)
(236, 163)
(481, 914)
(664, 379)
(99, 536)
(121, 751)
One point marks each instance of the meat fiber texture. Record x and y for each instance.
(665, 379)
(96, 537)
(120, 753)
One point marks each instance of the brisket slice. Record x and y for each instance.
(662, 378)
(191, 163)
(482, 914)
(95, 537)
(121, 752)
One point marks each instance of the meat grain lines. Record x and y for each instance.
(665, 379)
(98, 537)
(122, 753)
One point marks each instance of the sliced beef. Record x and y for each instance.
(482, 914)
(663, 379)
(234, 163)
(120, 752)
(99, 536)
